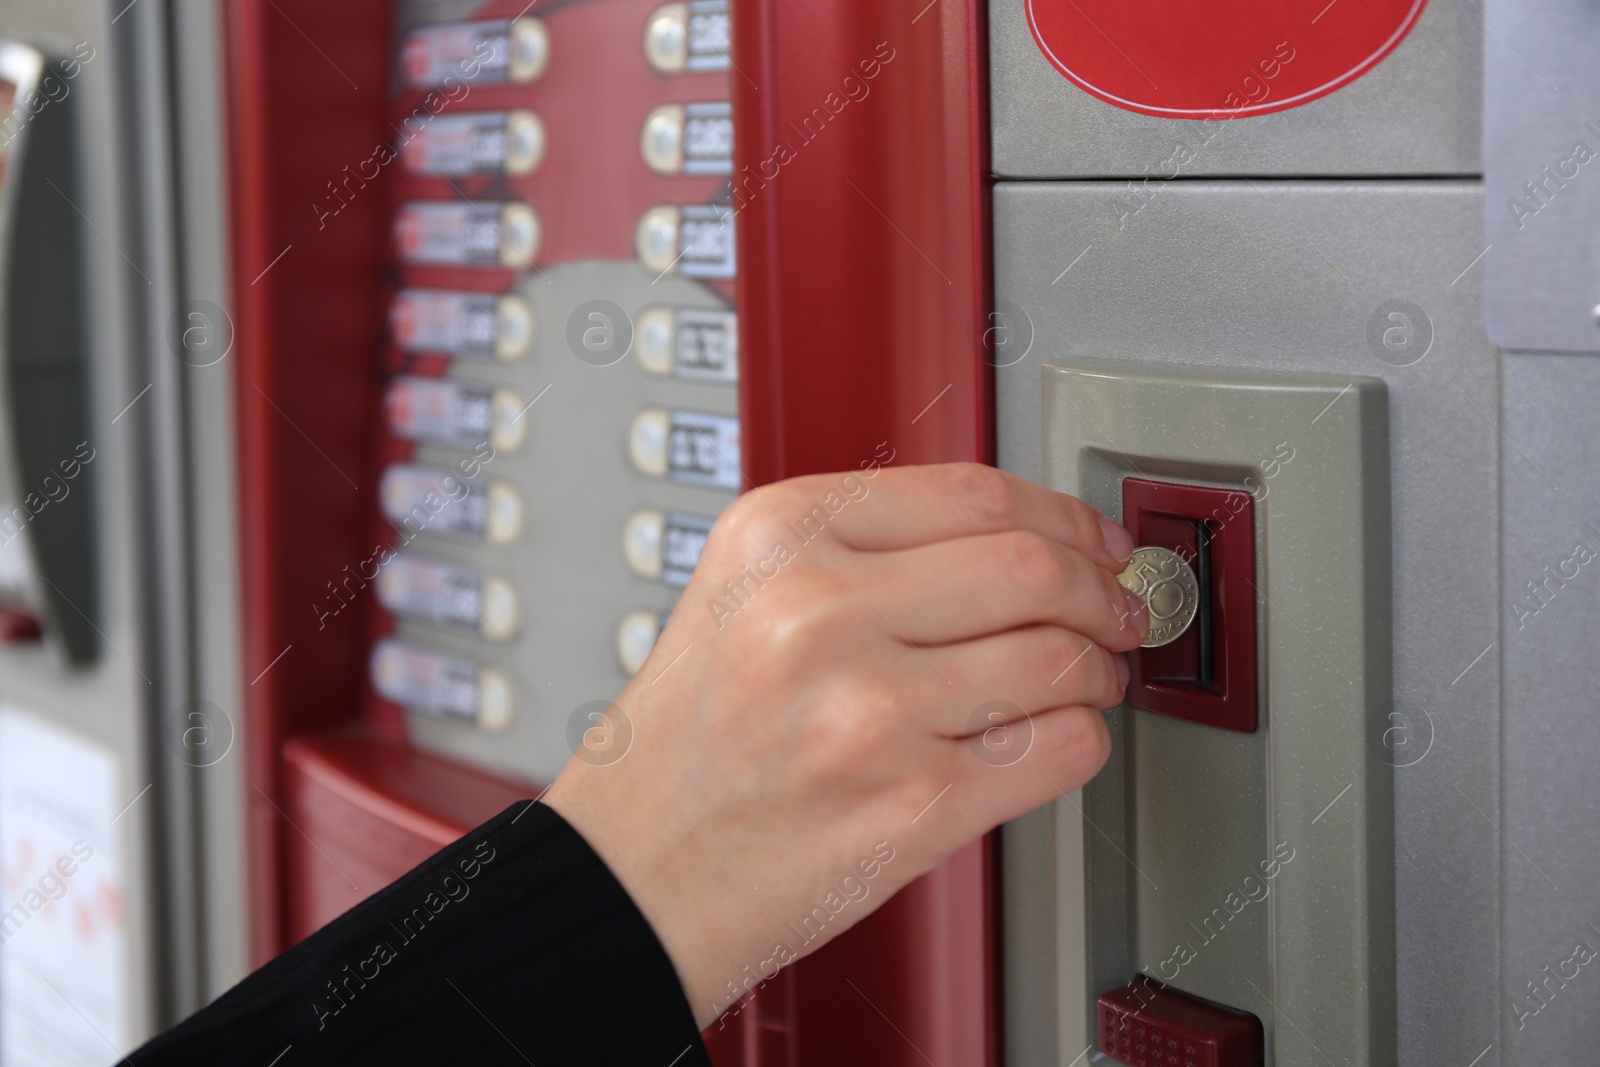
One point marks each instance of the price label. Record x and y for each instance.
(445, 594)
(704, 450)
(442, 503)
(467, 234)
(461, 324)
(464, 325)
(708, 138)
(440, 685)
(705, 241)
(427, 409)
(710, 35)
(681, 544)
(708, 345)
(495, 142)
(487, 53)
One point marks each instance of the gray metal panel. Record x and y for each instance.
(1415, 113)
(150, 187)
(1029, 951)
(1203, 820)
(107, 702)
(1286, 276)
(578, 489)
(213, 507)
(1552, 709)
(1542, 172)
(1191, 822)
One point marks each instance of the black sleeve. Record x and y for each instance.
(515, 945)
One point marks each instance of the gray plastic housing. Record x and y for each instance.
(578, 489)
(1256, 870)
(1289, 279)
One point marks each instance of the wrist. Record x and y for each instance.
(661, 863)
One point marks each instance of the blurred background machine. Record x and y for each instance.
(373, 372)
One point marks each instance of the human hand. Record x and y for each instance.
(809, 734)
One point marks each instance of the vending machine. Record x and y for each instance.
(1281, 297)
(509, 281)
(122, 897)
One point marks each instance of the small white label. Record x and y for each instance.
(704, 450)
(708, 345)
(709, 35)
(430, 320)
(432, 52)
(445, 594)
(446, 412)
(464, 325)
(681, 544)
(63, 926)
(429, 682)
(495, 142)
(466, 234)
(708, 138)
(442, 503)
(705, 241)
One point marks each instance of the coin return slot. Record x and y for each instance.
(1207, 674)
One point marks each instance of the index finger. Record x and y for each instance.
(905, 507)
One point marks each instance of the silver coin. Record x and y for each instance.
(1167, 585)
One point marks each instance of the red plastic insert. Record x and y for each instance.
(1208, 675)
(1148, 1024)
(18, 626)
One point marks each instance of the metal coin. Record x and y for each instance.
(1167, 585)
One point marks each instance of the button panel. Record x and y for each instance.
(560, 427)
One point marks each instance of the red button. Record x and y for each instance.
(1147, 1024)
(1179, 60)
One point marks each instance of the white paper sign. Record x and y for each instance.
(62, 996)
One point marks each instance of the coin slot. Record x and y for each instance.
(1208, 673)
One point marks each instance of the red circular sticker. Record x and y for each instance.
(1178, 59)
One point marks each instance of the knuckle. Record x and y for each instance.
(1107, 686)
(1086, 740)
(752, 521)
(1083, 525)
(988, 492)
(1090, 673)
(848, 721)
(792, 620)
(1063, 650)
(1033, 562)
(760, 506)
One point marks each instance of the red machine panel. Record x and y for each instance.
(862, 177)
(859, 193)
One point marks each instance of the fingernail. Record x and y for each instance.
(1119, 542)
(1138, 613)
(1124, 672)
